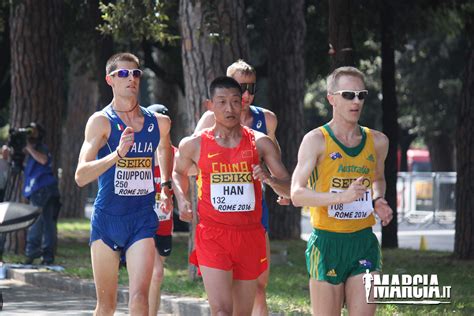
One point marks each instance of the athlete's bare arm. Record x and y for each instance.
(207, 120)
(279, 178)
(272, 122)
(382, 209)
(165, 159)
(187, 157)
(96, 135)
(310, 154)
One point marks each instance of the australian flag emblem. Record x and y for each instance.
(335, 155)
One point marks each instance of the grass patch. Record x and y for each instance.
(288, 290)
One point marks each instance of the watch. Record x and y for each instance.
(167, 184)
(375, 200)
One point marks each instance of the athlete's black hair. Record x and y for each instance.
(223, 82)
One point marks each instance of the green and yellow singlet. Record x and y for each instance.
(339, 168)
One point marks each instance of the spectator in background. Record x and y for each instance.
(40, 187)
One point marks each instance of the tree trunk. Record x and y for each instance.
(102, 53)
(213, 37)
(167, 85)
(5, 87)
(37, 69)
(37, 72)
(286, 74)
(464, 238)
(82, 100)
(405, 138)
(340, 34)
(441, 147)
(389, 121)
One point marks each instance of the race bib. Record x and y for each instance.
(359, 209)
(232, 191)
(133, 176)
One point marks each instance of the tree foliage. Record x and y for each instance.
(137, 20)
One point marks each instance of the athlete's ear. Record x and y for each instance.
(108, 79)
(209, 105)
(330, 98)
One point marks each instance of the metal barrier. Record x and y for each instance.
(426, 197)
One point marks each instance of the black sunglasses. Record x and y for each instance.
(124, 73)
(350, 94)
(250, 87)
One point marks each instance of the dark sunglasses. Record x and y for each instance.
(350, 94)
(250, 87)
(124, 73)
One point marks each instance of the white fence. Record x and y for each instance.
(426, 197)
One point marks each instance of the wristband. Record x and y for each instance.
(118, 154)
(166, 184)
(375, 200)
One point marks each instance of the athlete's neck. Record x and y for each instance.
(227, 136)
(345, 131)
(125, 105)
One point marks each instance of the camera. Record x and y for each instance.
(17, 140)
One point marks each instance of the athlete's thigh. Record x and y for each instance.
(355, 296)
(140, 259)
(105, 264)
(326, 298)
(243, 294)
(218, 285)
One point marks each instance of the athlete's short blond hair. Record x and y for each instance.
(242, 67)
(333, 78)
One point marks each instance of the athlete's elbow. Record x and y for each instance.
(296, 197)
(79, 178)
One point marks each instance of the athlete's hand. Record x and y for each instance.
(383, 211)
(166, 200)
(126, 141)
(259, 173)
(283, 201)
(185, 210)
(355, 191)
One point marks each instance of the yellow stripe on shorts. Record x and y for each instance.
(315, 253)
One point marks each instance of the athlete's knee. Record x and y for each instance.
(221, 310)
(138, 299)
(157, 276)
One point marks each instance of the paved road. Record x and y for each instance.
(23, 299)
(437, 237)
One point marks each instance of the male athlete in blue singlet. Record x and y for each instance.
(119, 146)
(264, 121)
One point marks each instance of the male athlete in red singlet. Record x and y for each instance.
(230, 239)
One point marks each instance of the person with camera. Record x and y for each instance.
(40, 187)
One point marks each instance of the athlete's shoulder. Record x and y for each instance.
(98, 118)
(380, 138)
(207, 120)
(163, 119)
(259, 136)
(98, 124)
(190, 142)
(315, 135)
